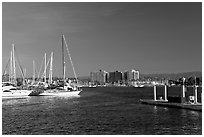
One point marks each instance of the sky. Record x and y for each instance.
(149, 37)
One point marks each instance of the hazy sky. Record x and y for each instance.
(149, 37)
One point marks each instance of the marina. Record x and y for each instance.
(101, 68)
(39, 88)
(89, 109)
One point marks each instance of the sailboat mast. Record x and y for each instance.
(64, 72)
(33, 71)
(50, 73)
(51, 67)
(24, 76)
(63, 63)
(11, 68)
(45, 70)
(14, 65)
(71, 61)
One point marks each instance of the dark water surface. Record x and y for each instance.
(111, 111)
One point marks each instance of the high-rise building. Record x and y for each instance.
(131, 75)
(111, 78)
(99, 77)
(125, 75)
(115, 76)
(118, 76)
(103, 77)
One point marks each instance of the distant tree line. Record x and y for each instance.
(172, 76)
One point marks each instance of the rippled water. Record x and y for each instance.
(111, 111)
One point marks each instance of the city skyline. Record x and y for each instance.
(149, 37)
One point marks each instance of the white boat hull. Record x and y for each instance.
(138, 86)
(16, 93)
(60, 93)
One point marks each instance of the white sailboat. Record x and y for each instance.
(66, 89)
(9, 89)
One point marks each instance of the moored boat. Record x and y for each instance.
(67, 89)
(138, 86)
(16, 93)
(56, 92)
(9, 88)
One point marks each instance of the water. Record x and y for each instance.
(98, 111)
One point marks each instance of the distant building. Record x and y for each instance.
(103, 77)
(99, 77)
(111, 77)
(115, 76)
(125, 75)
(131, 75)
(118, 76)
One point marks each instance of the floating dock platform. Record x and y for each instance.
(196, 107)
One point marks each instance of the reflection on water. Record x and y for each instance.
(155, 109)
(12, 100)
(97, 111)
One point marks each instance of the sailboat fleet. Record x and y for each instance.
(37, 87)
(9, 88)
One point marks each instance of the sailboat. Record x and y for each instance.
(9, 89)
(66, 89)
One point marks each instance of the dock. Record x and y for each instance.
(196, 107)
(182, 102)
